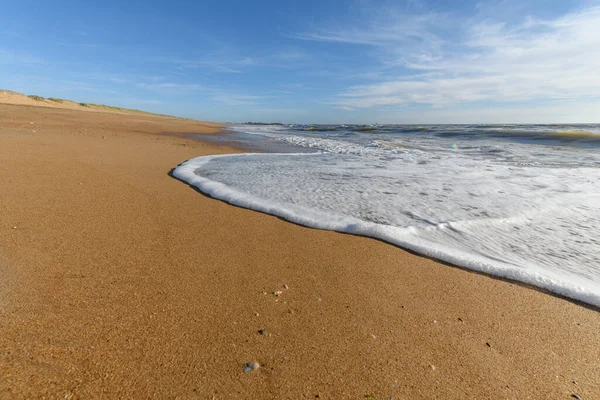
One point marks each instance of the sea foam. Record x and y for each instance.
(497, 208)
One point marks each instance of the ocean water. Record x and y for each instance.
(515, 201)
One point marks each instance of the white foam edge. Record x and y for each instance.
(533, 275)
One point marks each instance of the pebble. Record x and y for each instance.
(14, 227)
(256, 314)
(576, 396)
(261, 331)
(251, 366)
(488, 344)
(286, 287)
(432, 367)
(278, 293)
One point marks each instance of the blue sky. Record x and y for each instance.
(310, 61)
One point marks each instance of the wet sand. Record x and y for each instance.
(119, 281)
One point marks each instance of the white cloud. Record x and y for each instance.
(486, 61)
(383, 27)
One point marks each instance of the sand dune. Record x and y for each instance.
(10, 97)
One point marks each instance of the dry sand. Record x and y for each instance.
(118, 281)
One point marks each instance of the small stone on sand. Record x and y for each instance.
(286, 287)
(251, 366)
(261, 331)
(278, 293)
(432, 367)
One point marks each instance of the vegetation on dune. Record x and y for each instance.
(90, 106)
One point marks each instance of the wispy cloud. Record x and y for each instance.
(216, 94)
(486, 60)
(227, 70)
(171, 88)
(83, 46)
(164, 87)
(384, 28)
(19, 58)
(233, 62)
(149, 102)
(81, 86)
(234, 99)
(215, 63)
(10, 33)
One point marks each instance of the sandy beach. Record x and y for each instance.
(119, 281)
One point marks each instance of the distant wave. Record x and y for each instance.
(533, 132)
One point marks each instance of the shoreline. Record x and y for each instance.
(121, 281)
(240, 147)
